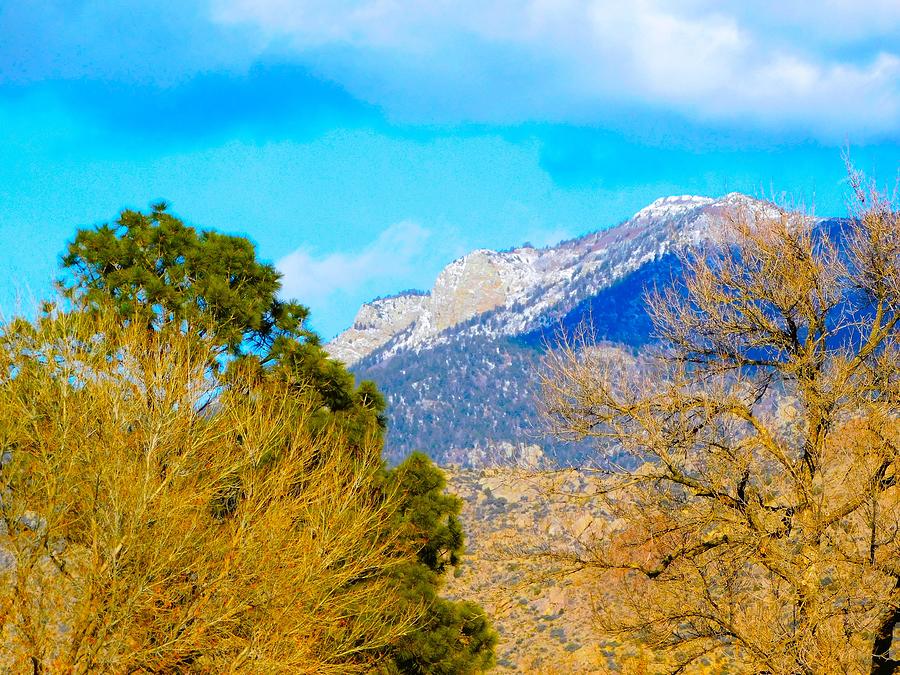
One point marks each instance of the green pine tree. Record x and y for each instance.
(157, 270)
(457, 636)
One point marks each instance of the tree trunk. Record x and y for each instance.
(882, 663)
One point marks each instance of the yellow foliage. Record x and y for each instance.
(768, 541)
(152, 521)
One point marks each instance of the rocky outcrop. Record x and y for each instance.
(526, 288)
(460, 365)
(376, 323)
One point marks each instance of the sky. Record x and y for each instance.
(364, 144)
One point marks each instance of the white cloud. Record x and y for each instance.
(825, 21)
(316, 280)
(830, 68)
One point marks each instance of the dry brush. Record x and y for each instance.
(761, 524)
(152, 520)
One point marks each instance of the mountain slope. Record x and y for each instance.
(459, 364)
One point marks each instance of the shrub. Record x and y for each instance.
(153, 520)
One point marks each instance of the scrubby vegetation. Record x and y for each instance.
(473, 392)
(762, 532)
(189, 484)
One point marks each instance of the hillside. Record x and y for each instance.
(459, 364)
(544, 614)
(544, 620)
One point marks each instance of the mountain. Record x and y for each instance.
(459, 364)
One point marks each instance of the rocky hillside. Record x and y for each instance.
(459, 363)
(525, 287)
(543, 612)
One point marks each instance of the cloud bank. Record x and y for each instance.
(831, 68)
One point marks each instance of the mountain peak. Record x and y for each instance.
(510, 292)
(458, 366)
(675, 205)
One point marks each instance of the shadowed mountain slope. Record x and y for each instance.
(459, 364)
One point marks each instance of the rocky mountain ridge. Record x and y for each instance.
(460, 364)
(527, 288)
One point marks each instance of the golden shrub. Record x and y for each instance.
(152, 520)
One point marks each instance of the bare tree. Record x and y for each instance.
(762, 521)
(142, 530)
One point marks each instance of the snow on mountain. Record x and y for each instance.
(376, 323)
(525, 289)
(671, 207)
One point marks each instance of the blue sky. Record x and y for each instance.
(364, 144)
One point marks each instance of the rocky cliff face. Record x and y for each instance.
(527, 288)
(459, 364)
(376, 323)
